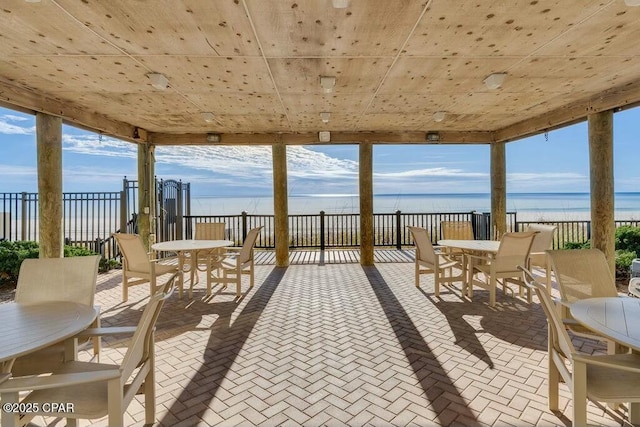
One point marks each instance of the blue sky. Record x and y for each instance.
(92, 163)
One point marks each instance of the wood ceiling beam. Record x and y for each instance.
(25, 100)
(619, 98)
(311, 138)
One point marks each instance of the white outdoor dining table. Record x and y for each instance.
(30, 327)
(471, 247)
(182, 247)
(615, 318)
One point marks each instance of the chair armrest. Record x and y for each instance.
(623, 362)
(18, 384)
(4, 377)
(104, 332)
(562, 302)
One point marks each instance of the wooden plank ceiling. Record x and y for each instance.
(256, 65)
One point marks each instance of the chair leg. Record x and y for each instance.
(554, 380)
(579, 392)
(150, 390)
(115, 405)
(417, 274)
(251, 275)
(238, 282)
(125, 287)
(492, 290)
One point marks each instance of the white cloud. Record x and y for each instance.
(12, 170)
(430, 173)
(96, 146)
(8, 128)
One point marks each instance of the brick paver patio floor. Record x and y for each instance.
(339, 344)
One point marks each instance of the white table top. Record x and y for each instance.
(472, 245)
(617, 318)
(190, 245)
(30, 327)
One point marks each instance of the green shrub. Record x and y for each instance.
(628, 239)
(13, 253)
(108, 264)
(11, 256)
(577, 245)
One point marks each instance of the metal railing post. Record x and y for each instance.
(179, 212)
(24, 216)
(244, 226)
(398, 230)
(322, 240)
(123, 211)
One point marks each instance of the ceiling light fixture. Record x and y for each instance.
(324, 136)
(438, 116)
(213, 137)
(495, 80)
(32, 1)
(208, 117)
(158, 81)
(629, 2)
(325, 117)
(340, 4)
(327, 83)
(433, 136)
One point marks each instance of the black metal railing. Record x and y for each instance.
(324, 230)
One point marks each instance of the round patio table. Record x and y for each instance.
(30, 327)
(191, 247)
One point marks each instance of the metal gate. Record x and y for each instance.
(173, 202)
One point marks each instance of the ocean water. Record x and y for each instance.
(529, 206)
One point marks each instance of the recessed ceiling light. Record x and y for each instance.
(32, 1)
(438, 116)
(495, 80)
(324, 136)
(208, 117)
(158, 81)
(325, 117)
(340, 4)
(632, 2)
(327, 83)
(213, 137)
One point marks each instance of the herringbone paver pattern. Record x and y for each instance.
(339, 344)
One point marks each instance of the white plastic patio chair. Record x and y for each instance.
(502, 267)
(429, 261)
(607, 378)
(55, 279)
(234, 265)
(542, 242)
(96, 389)
(137, 263)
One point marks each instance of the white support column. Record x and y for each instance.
(49, 148)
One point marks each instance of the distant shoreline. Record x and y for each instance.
(528, 206)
